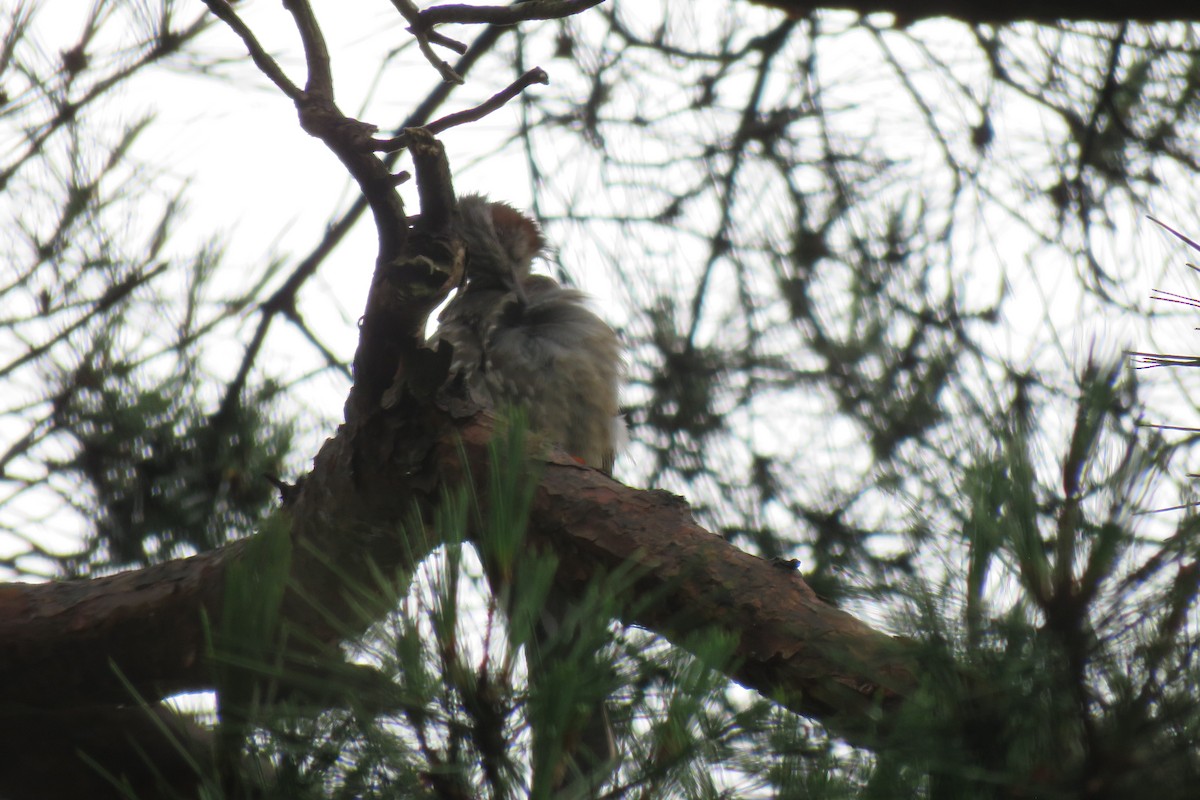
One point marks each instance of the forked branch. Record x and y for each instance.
(408, 283)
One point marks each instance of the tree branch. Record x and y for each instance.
(1006, 11)
(493, 103)
(267, 65)
(316, 54)
(336, 232)
(791, 646)
(348, 526)
(503, 15)
(159, 751)
(425, 37)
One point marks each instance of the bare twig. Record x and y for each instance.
(445, 41)
(1176, 233)
(65, 113)
(496, 101)
(281, 299)
(331, 360)
(1172, 297)
(1147, 360)
(421, 23)
(504, 15)
(224, 12)
(421, 30)
(1158, 427)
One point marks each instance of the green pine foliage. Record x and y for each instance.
(849, 278)
(164, 478)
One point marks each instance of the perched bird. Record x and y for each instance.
(524, 340)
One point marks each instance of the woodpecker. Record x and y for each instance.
(524, 340)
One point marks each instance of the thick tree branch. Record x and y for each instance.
(316, 53)
(349, 526)
(87, 642)
(336, 231)
(791, 646)
(42, 747)
(377, 358)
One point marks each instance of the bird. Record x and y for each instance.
(524, 340)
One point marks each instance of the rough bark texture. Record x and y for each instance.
(349, 524)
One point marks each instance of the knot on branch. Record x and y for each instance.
(320, 117)
(412, 285)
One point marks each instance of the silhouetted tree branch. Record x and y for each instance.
(908, 11)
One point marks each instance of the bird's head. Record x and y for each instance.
(501, 242)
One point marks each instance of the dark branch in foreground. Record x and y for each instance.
(337, 231)
(1005, 11)
(818, 660)
(504, 15)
